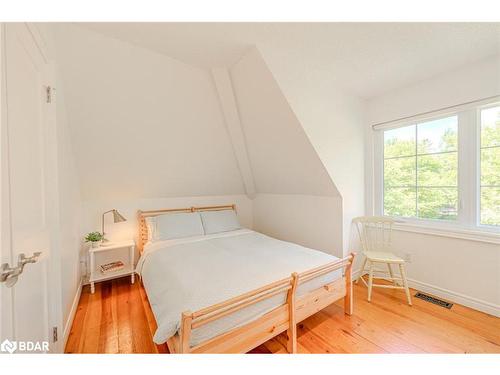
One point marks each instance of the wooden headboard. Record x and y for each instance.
(142, 215)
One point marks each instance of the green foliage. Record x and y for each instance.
(490, 170)
(400, 202)
(94, 237)
(436, 179)
(490, 206)
(430, 191)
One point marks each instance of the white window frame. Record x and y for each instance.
(485, 227)
(468, 224)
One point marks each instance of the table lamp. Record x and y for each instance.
(117, 218)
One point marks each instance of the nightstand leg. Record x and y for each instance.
(92, 265)
(132, 277)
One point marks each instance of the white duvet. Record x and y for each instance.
(196, 272)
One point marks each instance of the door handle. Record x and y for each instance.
(9, 274)
(23, 259)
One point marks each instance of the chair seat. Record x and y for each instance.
(382, 256)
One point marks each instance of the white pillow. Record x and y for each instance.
(177, 225)
(219, 221)
(151, 225)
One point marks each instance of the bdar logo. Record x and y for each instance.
(8, 346)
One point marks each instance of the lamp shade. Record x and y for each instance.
(117, 217)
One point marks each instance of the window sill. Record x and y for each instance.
(460, 233)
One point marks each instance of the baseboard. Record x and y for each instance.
(449, 295)
(72, 313)
(462, 299)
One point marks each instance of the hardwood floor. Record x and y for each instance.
(118, 319)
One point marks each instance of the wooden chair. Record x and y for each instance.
(375, 234)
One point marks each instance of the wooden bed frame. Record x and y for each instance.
(283, 318)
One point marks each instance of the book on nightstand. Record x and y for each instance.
(111, 267)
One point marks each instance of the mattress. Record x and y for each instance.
(193, 273)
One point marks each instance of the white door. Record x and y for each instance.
(27, 186)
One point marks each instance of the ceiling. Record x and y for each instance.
(365, 59)
(144, 125)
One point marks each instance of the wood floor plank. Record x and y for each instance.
(372, 332)
(125, 320)
(76, 333)
(108, 341)
(440, 325)
(92, 324)
(389, 318)
(118, 319)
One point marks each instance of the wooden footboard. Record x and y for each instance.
(283, 318)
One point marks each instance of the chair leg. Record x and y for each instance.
(391, 274)
(362, 270)
(370, 281)
(405, 282)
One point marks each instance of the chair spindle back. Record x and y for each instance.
(375, 232)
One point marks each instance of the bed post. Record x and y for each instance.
(185, 339)
(348, 286)
(292, 331)
(140, 219)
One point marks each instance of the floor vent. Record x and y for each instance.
(434, 300)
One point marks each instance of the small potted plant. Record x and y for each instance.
(94, 238)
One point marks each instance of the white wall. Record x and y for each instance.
(282, 158)
(296, 198)
(334, 121)
(146, 126)
(337, 133)
(471, 82)
(70, 209)
(67, 241)
(147, 131)
(308, 220)
(142, 124)
(461, 270)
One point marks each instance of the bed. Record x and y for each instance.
(230, 291)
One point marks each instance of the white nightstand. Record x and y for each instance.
(125, 246)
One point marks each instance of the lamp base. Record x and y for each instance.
(107, 243)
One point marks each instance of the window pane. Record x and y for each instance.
(437, 203)
(490, 206)
(490, 127)
(438, 135)
(400, 202)
(490, 166)
(400, 172)
(437, 170)
(399, 142)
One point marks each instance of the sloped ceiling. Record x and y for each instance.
(281, 155)
(145, 125)
(365, 59)
(146, 120)
(142, 124)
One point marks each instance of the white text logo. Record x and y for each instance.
(24, 346)
(8, 346)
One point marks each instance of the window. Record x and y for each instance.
(442, 169)
(420, 170)
(490, 166)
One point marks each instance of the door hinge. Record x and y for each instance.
(54, 334)
(48, 94)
